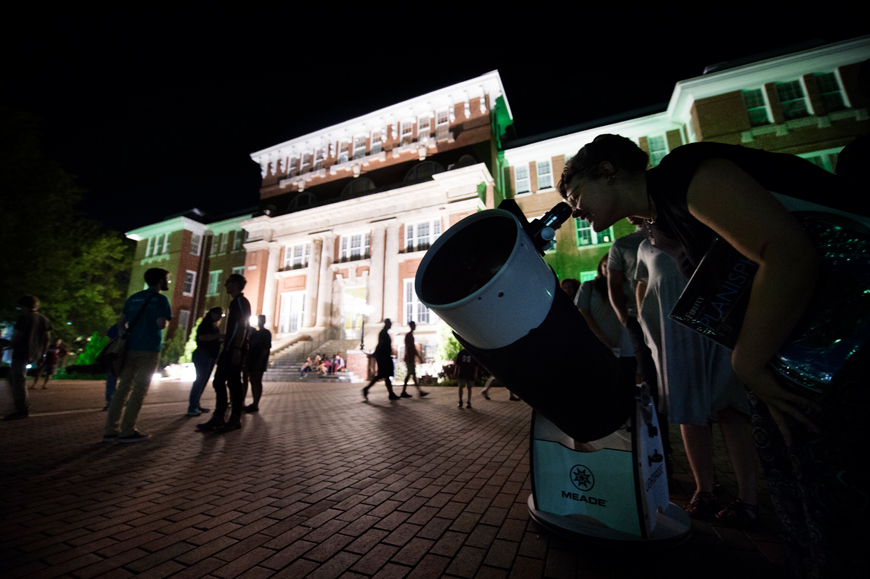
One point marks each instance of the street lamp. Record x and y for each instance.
(358, 307)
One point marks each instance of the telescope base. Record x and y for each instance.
(673, 526)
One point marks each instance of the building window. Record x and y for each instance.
(423, 127)
(318, 159)
(415, 311)
(658, 148)
(240, 270)
(545, 175)
(214, 245)
(189, 282)
(757, 107)
(292, 309)
(832, 94)
(407, 132)
(359, 147)
(225, 240)
(419, 236)
(586, 236)
(354, 247)
(239, 238)
(214, 282)
(293, 167)
(296, 256)
(195, 244)
(183, 321)
(376, 142)
(148, 247)
(306, 161)
(442, 123)
(521, 172)
(793, 100)
(342, 152)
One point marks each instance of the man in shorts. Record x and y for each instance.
(411, 356)
(465, 372)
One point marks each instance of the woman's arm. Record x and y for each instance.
(746, 215)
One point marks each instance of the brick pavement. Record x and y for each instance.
(318, 484)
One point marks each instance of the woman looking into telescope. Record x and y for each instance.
(810, 446)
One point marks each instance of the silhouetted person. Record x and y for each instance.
(208, 347)
(229, 365)
(411, 356)
(111, 379)
(30, 339)
(258, 360)
(465, 371)
(147, 312)
(384, 359)
(49, 363)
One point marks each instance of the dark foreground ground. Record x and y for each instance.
(318, 484)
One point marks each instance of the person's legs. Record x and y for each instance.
(737, 434)
(145, 365)
(119, 398)
(204, 365)
(470, 383)
(237, 394)
(221, 402)
(390, 388)
(48, 374)
(256, 377)
(698, 441)
(17, 381)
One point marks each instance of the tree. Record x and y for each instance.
(448, 346)
(78, 272)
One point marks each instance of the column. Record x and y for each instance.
(312, 276)
(271, 289)
(324, 288)
(376, 275)
(391, 274)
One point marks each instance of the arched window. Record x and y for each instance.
(357, 187)
(465, 161)
(302, 200)
(423, 170)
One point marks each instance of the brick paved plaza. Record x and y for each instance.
(318, 484)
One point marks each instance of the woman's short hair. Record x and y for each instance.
(619, 151)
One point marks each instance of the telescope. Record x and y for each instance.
(597, 460)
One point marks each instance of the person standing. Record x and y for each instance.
(150, 313)
(229, 365)
(465, 372)
(258, 360)
(30, 339)
(111, 379)
(49, 363)
(208, 346)
(384, 359)
(411, 356)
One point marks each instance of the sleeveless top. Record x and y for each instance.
(679, 233)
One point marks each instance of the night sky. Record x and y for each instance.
(157, 110)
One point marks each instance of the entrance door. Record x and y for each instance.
(292, 308)
(352, 300)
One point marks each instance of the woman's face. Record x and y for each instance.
(595, 201)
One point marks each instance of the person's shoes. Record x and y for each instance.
(365, 393)
(252, 408)
(405, 395)
(204, 410)
(194, 412)
(738, 514)
(460, 404)
(468, 405)
(210, 425)
(394, 397)
(17, 415)
(423, 394)
(135, 437)
(110, 438)
(702, 505)
(230, 426)
(485, 395)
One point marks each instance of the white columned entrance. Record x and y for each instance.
(312, 276)
(376, 278)
(270, 292)
(324, 287)
(391, 274)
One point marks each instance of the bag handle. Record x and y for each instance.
(139, 315)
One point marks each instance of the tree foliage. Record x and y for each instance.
(448, 346)
(78, 271)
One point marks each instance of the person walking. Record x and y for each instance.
(411, 356)
(384, 359)
(49, 363)
(150, 313)
(208, 346)
(30, 338)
